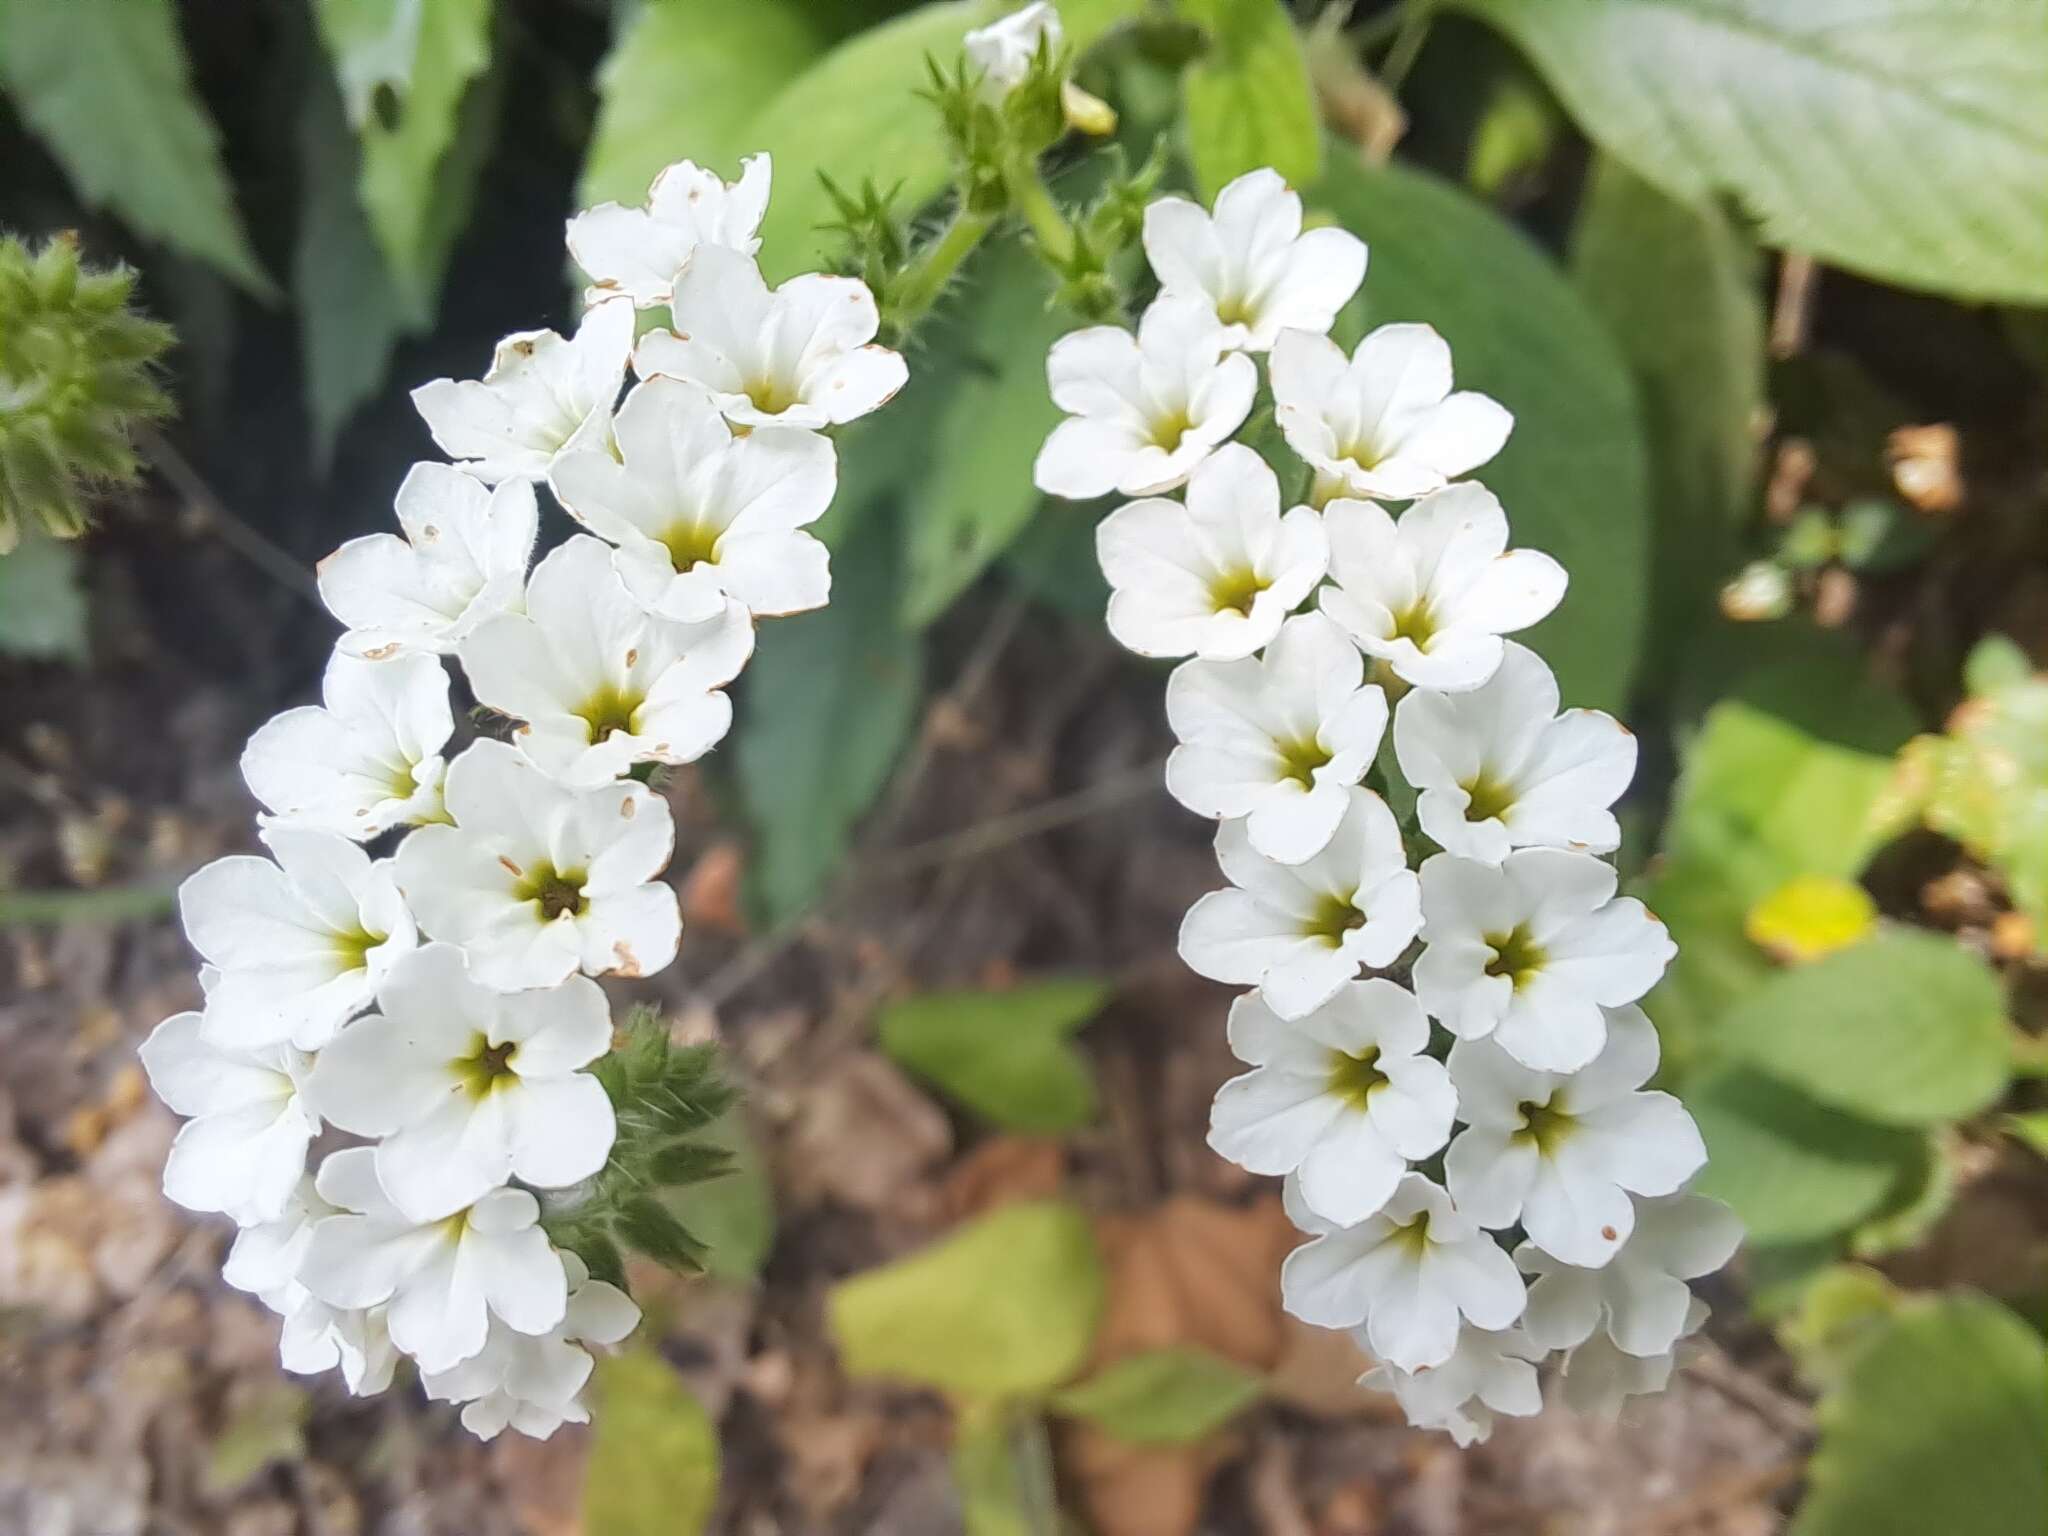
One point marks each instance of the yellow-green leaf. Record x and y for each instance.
(1003, 1054)
(653, 1468)
(1810, 916)
(1002, 1466)
(1162, 1397)
(1248, 97)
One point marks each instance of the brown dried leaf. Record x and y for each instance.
(865, 1136)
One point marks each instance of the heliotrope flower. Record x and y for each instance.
(638, 251)
(1639, 1299)
(1431, 593)
(470, 1088)
(1276, 739)
(1413, 1274)
(1005, 49)
(1251, 263)
(543, 396)
(802, 355)
(1489, 1371)
(1384, 422)
(1499, 768)
(535, 880)
(596, 682)
(1213, 576)
(265, 1261)
(1143, 410)
(1598, 1376)
(1342, 1096)
(440, 1281)
(300, 944)
(1531, 950)
(1561, 1153)
(366, 759)
(700, 515)
(1298, 932)
(463, 558)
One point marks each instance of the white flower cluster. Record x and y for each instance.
(435, 999)
(1434, 1170)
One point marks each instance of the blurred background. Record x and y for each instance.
(1763, 283)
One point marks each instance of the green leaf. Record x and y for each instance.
(1248, 97)
(978, 495)
(1003, 1308)
(2031, 1129)
(856, 115)
(1002, 1466)
(682, 80)
(1163, 1397)
(1906, 1028)
(1839, 1311)
(351, 314)
(1677, 287)
(1793, 1169)
(653, 1468)
(266, 1427)
(42, 603)
(1572, 476)
(1939, 1425)
(733, 1215)
(827, 704)
(1839, 124)
(405, 69)
(106, 86)
(1003, 1054)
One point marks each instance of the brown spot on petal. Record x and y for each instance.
(1608, 1233)
(512, 869)
(611, 283)
(629, 963)
(430, 533)
(379, 652)
(523, 348)
(633, 656)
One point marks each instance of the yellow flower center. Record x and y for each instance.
(1234, 591)
(1487, 797)
(1543, 1126)
(1353, 1078)
(1516, 955)
(690, 545)
(487, 1067)
(554, 891)
(608, 709)
(1300, 759)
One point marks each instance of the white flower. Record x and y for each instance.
(471, 1088)
(300, 944)
(1006, 48)
(535, 880)
(1562, 1154)
(463, 558)
(1384, 423)
(365, 760)
(700, 515)
(801, 355)
(1214, 576)
(1278, 739)
(1488, 1372)
(1530, 951)
(543, 396)
(598, 683)
(1251, 264)
(441, 1280)
(243, 1147)
(1498, 767)
(1432, 594)
(1597, 1376)
(1300, 931)
(534, 1383)
(1144, 410)
(1412, 1274)
(1343, 1095)
(638, 251)
(1639, 1298)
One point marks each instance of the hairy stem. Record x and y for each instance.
(925, 277)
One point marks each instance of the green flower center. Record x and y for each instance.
(1516, 955)
(1235, 309)
(770, 395)
(353, 948)
(1168, 430)
(690, 545)
(1543, 1126)
(1416, 624)
(1334, 917)
(1235, 591)
(554, 891)
(1412, 1234)
(1487, 797)
(1353, 1078)
(1300, 759)
(608, 709)
(486, 1067)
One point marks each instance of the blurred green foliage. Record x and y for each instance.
(1005, 1055)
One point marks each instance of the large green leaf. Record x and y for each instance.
(1002, 1465)
(1677, 287)
(1572, 476)
(1003, 1054)
(42, 604)
(405, 69)
(826, 705)
(1162, 1397)
(1904, 140)
(1940, 1425)
(856, 115)
(1248, 98)
(1793, 1169)
(1003, 1308)
(105, 84)
(682, 80)
(978, 495)
(653, 1468)
(733, 1215)
(1907, 1028)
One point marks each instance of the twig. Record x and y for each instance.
(258, 549)
(1792, 313)
(999, 832)
(1787, 1415)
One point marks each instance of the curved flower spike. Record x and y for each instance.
(1250, 261)
(535, 880)
(1639, 1299)
(243, 1147)
(1490, 1371)
(801, 355)
(638, 251)
(543, 396)
(463, 558)
(1385, 423)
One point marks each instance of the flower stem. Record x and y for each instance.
(1408, 41)
(925, 277)
(1028, 195)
